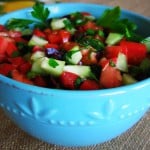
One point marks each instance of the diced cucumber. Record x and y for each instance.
(36, 66)
(128, 79)
(57, 23)
(146, 41)
(82, 71)
(35, 40)
(52, 66)
(74, 55)
(37, 55)
(121, 63)
(113, 38)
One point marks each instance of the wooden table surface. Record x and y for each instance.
(136, 138)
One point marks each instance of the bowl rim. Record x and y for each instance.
(48, 91)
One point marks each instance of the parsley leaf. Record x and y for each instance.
(109, 16)
(18, 23)
(90, 41)
(53, 63)
(40, 12)
(111, 19)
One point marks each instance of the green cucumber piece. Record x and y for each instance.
(57, 23)
(128, 79)
(121, 63)
(146, 42)
(113, 38)
(74, 55)
(37, 55)
(35, 40)
(36, 66)
(52, 66)
(82, 71)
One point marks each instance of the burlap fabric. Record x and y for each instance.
(136, 138)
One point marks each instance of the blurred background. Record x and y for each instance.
(138, 6)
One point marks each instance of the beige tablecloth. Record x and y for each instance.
(136, 138)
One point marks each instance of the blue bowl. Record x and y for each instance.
(75, 118)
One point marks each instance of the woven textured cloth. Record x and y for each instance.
(136, 138)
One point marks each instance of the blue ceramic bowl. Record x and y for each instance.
(75, 118)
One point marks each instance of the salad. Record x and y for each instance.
(75, 52)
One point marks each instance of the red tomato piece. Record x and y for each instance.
(113, 51)
(16, 75)
(37, 48)
(68, 79)
(136, 52)
(49, 45)
(16, 61)
(91, 25)
(25, 67)
(54, 38)
(89, 85)
(39, 33)
(2, 28)
(89, 57)
(64, 35)
(104, 61)
(3, 45)
(68, 45)
(110, 77)
(11, 48)
(3, 58)
(40, 81)
(85, 13)
(14, 34)
(6, 68)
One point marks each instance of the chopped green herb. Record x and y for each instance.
(116, 24)
(70, 53)
(89, 41)
(53, 63)
(40, 12)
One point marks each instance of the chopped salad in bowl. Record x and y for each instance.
(77, 51)
(73, 67)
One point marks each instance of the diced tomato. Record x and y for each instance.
(2, 28)
(37, 48)
(14, 34)
(11, 48)
(113, 51)
(89, 85)
(91, 25)
(85, 13)
(3, 58)
(64, 35)
(49, 45)
(16, 61)
(39, 33)
(47, 31)
(25, 67)
(20, 40)
(40, 81)
(136, 52)
(16, 75)
(88, 57)
(6, 68)
(54, 38)
(104, 61)
(3, 45)
(110, 77)
(68, 45)
(68, 79)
